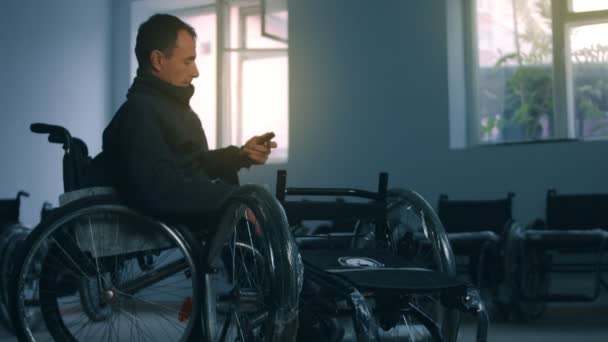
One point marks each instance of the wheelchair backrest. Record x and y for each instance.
(460, 216)
(74, 165)
(76, 158)
(9, 208)
(576, 211)
(338, 211)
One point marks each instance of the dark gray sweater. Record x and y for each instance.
(159, 153)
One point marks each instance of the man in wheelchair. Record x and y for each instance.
(121, 263)
(155, 141)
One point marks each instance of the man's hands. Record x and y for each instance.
(259, 148)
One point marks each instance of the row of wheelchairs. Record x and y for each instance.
(517, 267)
(97, 268)
(12, 235)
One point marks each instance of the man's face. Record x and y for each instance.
(180, 68)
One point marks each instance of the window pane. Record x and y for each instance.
(204, 100)
(515, 70)
(265, 101)
(276, 18)
(589, 5)
(589, 57)
(254, 38)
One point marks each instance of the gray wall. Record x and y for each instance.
(368, 92)
(55, 58)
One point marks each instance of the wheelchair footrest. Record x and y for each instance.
(375, 269)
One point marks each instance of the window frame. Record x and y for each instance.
(265, 32)
(563, 19)
(225, 124)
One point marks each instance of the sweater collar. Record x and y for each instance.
(147, 83)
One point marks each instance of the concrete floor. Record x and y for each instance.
(559, 324)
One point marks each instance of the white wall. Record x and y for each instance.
(55, 60)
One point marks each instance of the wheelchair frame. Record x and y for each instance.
(12, 234)
(476, 229)
(464, 299)
(529, 250)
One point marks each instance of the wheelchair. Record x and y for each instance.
(476, 229)
(107, 270)
(12, 235)
(575, 225)
(378, 267)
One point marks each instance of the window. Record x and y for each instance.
(242, 89)
(256, 66)
(538, 70)
(203, 102)
(588, 5)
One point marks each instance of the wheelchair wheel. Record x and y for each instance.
(413, 231)
(11, 240)
(91, 288)
(252, 293)
(526, 276)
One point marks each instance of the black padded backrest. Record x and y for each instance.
(475, 215)
(74, 164)
(576, 211)
(9, 210)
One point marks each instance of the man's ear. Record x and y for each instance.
(156, 60)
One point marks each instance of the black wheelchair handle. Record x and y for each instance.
(22, 193)
(57, 134)
(42, 128)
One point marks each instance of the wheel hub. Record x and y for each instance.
(109, 296)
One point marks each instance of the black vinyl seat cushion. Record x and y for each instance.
(374, 269)
(330, 241)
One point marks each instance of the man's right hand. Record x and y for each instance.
(257, 151)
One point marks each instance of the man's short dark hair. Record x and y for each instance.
(159, 32)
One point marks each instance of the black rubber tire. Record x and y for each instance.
(284, 271)
(525, 276)
(12, 237)
(448, 320)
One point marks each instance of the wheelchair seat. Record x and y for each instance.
(380, 270)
